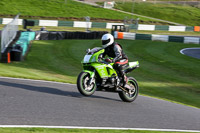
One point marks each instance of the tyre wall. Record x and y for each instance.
(60, 35)
(22, 46)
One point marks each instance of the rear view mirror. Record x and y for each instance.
(88, 50)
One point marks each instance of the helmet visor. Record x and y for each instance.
(104, 42)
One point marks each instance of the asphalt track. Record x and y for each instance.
(27, 102)
(192, 52)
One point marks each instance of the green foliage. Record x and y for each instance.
(187, 15)
(163, 72)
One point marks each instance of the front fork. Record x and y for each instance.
(92, 74)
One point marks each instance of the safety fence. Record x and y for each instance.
(83, 24)
(153, 37)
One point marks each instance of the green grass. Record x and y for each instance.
(57, 10)
(46, 130)
(163, 72)
(187, 15)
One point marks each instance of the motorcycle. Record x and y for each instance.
(99, 75)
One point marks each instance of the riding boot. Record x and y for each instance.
(125, 79)
(126, 83)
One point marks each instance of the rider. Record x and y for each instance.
(114, 50)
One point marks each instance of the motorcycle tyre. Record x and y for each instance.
(80, 85)
(123, 94)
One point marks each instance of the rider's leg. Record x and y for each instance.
(119, 67)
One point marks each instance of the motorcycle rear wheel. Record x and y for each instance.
(82, 84)
(130, 97)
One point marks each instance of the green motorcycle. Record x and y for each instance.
(99, 75)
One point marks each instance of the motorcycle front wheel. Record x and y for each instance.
(130, 95)
(83, 85)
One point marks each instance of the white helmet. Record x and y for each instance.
(107, 40)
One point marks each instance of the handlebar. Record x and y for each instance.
(102, 60)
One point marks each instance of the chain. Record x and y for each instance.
(123, 89)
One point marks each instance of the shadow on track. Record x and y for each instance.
(50, 90)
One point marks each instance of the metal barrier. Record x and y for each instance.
(153, 37)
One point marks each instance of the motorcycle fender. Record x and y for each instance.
(90, 72)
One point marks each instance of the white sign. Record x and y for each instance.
(109, 4)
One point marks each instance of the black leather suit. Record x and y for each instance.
(119, 57)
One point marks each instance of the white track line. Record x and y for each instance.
(181, 51)
(34, 80)
(111, 128)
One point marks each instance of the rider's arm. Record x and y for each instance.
(118, 53)
(104, 54)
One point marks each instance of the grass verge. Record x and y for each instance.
(163, 72)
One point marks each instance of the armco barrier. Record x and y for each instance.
(162, 27)
(176, 39)
(177, 28)
(8, 20)
(66, 23)
(1, 20)
(164, 38)
(194, 40)
(84, 24)
(48, 23)
(81, 24)
(146, 27)
(20, 48)
(153, 37)
(98, 25)
(143, 36)
(189, 28)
